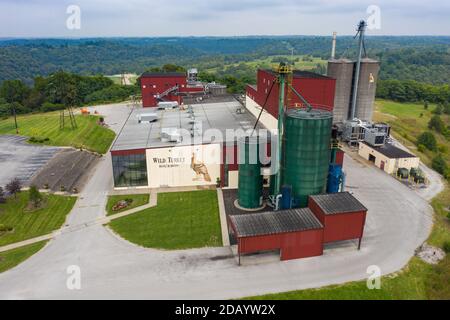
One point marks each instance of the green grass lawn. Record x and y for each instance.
(180, 221)
(418, 280)
(138, 200)
(32, 224)
(88, 135)
(407, 124)
(10, 259)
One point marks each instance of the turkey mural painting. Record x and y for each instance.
(184, 166)
(200, 170)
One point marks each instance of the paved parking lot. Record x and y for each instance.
(20, 159)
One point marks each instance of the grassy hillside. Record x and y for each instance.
(29, 224)
(408, 121)
(300, 62)
(418, 280)
(88, 135)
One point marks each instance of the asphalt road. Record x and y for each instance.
(22, 160)
(398, 222)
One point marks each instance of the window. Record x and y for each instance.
(130, 170)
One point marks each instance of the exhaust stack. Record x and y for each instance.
(333, 48)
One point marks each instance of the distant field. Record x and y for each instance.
(182, 220)
(88, 135)
(408, 121)
(269, 63)
(129, 78)
(10, 259)
(27, 225)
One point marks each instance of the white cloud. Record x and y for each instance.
(46, 18)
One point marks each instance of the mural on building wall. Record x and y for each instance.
(184, 166)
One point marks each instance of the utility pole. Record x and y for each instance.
(15, 117)
(361, 30)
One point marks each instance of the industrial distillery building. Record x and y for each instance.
(159, 87)
(153, 154)
(318, 90)
(170, 86)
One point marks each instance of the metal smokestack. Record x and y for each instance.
(361, 30)
(333, 48)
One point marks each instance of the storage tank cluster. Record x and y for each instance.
(343, 70)
(305, 161)
(355, 87)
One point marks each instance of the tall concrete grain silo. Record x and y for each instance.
(366, 89)
(342, 70)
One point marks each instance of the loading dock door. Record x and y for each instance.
(372, 158)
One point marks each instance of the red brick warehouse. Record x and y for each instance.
(170, 86)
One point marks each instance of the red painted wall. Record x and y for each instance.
(292, 245)
(340, 157)
(127, 152)
(317, 91)
(341, 226)
(153, 85)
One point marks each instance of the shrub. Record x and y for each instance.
(2, 195)
(49, 107)
(439, 164)
(5, 228)
(35, 196)
(421, 148)
(38, 140)
(439, 109)
(428, 140)
(437, 124)
(14, 187)
(446, 246)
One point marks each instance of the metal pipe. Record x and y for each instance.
(333, 47)
(301, 98)
(361, 30)
(282, 82)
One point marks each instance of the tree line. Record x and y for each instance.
(413, 91)
(58, 91)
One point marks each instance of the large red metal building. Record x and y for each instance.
(300, 233)
(318, 90)
(166, 86)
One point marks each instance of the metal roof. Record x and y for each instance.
(219, 116)
(274, 222)
(303, 74)
(392, 151)
(162, 74)
(342, 202)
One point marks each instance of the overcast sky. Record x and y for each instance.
(47, 18)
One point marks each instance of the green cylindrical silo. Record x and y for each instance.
(250, 179)
(306, 153)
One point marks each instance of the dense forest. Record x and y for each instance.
(58, 91)
(414, 69)
(424, 59)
